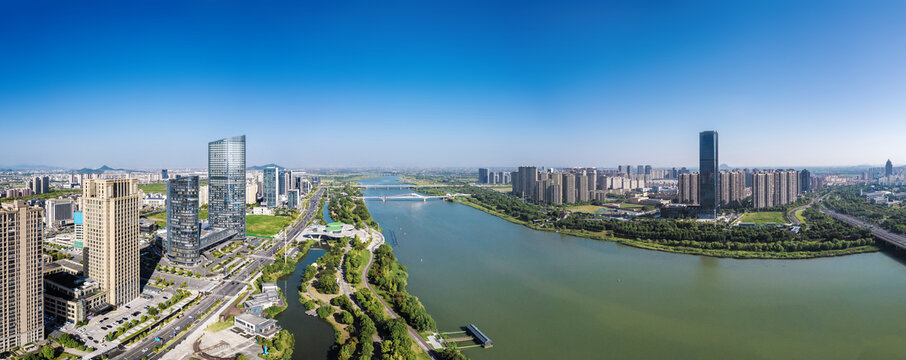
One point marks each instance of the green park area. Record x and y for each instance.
(154, 188)
(588, 209)
(161, 217)
(764, 217)
(265, 225)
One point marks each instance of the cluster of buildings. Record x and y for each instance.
(107, 225)
(488, 177)
(283, 188)
(570, 186)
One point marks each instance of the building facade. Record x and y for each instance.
(271, 187)
(57, 212)
(775, 188)
(687, 188)
(732, 187)
(226, 183)
(708, 176)
(183, 229)
(21, 275)
(110, 214)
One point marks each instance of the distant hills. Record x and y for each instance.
(100, 170)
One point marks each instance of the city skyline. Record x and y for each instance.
(434, 85)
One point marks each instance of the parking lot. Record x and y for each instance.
(98, 327)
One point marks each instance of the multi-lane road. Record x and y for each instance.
(227, 288)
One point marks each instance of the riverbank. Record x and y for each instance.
(652, 245)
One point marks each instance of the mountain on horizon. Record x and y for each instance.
(100, 170)
(21, 167)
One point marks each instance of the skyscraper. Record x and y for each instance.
(708, 178)
(271, 186)
(183, 229)
(164, 175)
(483, 176)
(110, 215)
(805, 181)
(226, 179)
(888, 168)
(687, 188)
(21, 275)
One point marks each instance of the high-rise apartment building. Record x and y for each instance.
(708, 177)
(483, 176)
(687, 188)
(524, 182)
(183, 229)
(110, 210)
(775, 188)
(39, 184)
(21, 275)
(569, 188)
(271, 186)
(805, 180)
(582, 187)
(226, 183)
(732, 187)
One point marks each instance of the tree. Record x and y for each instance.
(241, 357)
(47, 352)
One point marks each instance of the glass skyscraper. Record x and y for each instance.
(708, 178)
(226, 183)
(270, 186)
(183, 231)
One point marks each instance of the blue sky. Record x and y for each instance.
(458, 83)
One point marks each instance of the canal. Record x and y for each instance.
(542, 295)
(313, 336)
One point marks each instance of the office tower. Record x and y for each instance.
(569, 188)
(620, 169)
(57, 211)
(110, 212)
(226, 179)
(707, 174)
(292, 199)
(640, 170)
(888, 168)
(582, 187)
(271, 186)
(482, 176)
(628, 170)
(687, 188)
(805, 181)
(647, 169)
(286, 177)
(164, 175)
(183, 230)
(21, 275)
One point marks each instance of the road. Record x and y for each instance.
(227, 288)
(892, 238)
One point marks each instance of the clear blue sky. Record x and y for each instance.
(459, 83)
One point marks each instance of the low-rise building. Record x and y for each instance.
(70, 297)
(256, 325)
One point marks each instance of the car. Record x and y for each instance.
(145, 350)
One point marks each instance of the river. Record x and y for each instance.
(542, 295)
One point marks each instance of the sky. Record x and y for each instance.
(147, 84)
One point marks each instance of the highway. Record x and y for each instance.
(227, 288)
(892, 238)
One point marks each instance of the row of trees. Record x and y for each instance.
(390, 277)
(848, 200)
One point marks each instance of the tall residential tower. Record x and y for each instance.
(110, 215)
(21, 275)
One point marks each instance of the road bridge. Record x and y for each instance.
(411, 196)
(394, 186)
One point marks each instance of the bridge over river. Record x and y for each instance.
(411, 196)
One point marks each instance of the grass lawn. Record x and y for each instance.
(799, 216)
(154, 188)
(161, 218)
(631, 206)
(265, 225)
(764, 217)
(218, 326)
(588, 209)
